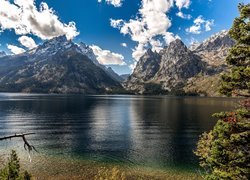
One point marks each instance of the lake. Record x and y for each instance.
(151, 131)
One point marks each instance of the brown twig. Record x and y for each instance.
(27, 146)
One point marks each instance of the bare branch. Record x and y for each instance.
(27, 146)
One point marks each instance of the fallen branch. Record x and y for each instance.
(27, 146)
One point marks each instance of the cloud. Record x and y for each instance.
(182, 3)
(124, 45)
(15, 49)
(107, 57)
(24, 18)
(27, 42)
(132, 66)
(116, 3)
(149, 27)
(183, 16)
(200, 24)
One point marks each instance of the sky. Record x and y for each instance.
(119, 31)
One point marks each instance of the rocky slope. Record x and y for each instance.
(85, 49)
(57, 66)
(164, 71)
(2, 54)
(213, 51)
(178, 64)
(145, 70)
(193, 70)
(124, 77)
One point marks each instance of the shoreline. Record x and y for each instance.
(49, 167)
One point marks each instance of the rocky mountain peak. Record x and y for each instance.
(176, 43)
(50, 48)
(2, 54)
(177, 64)
(168, 69)
(56, 66)
(58, 39)
(146, 67)
(215, 42)
(214, 49)
(149, 52)
(176, 46)
(88, 51)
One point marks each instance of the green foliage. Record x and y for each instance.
(11, 171)
(26, 175)
(153, 88)
(224, 152)
(237, 81)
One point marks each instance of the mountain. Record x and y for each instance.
(178, 64)
(214, 49)
(88, 51)
(2, 54)
(164, 71)
(178, 69)
(145, 69)
(113, 74)
(124, 77)
(56, 66)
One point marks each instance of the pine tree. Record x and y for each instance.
(13, 166)
(224, 152)
(237, 81)
(11, 171)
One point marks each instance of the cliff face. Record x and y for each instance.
(178, 64)
(145, 70)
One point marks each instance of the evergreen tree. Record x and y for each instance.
(224, 152)
(237, 81)
(14, 166)
(12, 169)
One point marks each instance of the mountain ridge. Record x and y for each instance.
(56, 66)
(182, 69)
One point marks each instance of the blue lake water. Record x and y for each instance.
(152, 131)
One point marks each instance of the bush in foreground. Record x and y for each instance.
(224, 151)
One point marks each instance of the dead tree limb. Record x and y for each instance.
(27, 146)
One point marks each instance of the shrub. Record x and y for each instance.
(11, 171)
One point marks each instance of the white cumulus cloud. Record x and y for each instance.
(149, 27)
(15, 49)
(24, 18)
(27, 42)
(200, 24)
(182, 3)
(183, 16)
(124, 45)
(106, 57)
(115, 3)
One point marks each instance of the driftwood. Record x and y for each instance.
(27, 146)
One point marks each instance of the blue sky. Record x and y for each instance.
(200, 19)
